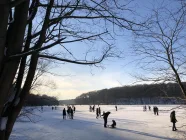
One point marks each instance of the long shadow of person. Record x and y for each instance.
(145, 134)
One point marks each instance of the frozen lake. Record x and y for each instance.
(132, 124)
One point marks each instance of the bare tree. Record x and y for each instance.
(29, 27)
(161, 48)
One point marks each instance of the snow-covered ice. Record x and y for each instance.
(132, 124)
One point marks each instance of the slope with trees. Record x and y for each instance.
(136, 92)
(40, 100)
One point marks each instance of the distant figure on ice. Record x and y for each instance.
(99, 111)
(90, 108)
(144, 108)
(52, 108)
(156, 110)
(72, 113)
(74, 109)
(105, 116)
(173, 120)
(68, 111)
(149, 108)
(116, 107)
(64, 113)
(93, 108)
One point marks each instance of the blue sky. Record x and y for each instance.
(116, 72)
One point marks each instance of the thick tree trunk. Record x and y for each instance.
(30, 76)
(25, 91)
(4, 10)
(13, 111)
(14, 42)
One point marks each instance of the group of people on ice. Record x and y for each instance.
(69, 113)
(54, 107)
(104, 115)
(145, 108)
(98, 112)
(71, 110)
(155, 109)
(172, 115)
(92, 108)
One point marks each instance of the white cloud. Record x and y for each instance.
(71, 87)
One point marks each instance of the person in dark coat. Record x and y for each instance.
(68, 111)
(93, 108)
(72, 113)
(149, 108)
(145, 108)
(74, 109)
(113, 125)
(116, 108)
(64, 113)
(157, 111)
(97, 113)
(173, 120)
(105, 116)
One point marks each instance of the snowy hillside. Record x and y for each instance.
(132, 124)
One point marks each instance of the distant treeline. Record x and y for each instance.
(39, 100)
(115, 95)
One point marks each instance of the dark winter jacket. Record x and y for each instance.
(105, 115)
(97, 111)
(72, 113)
(64, 112)
(173, 117)
(113, 125)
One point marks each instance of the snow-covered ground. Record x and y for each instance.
(132, 124)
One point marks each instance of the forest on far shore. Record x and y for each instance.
(147, 91)
(40, 100)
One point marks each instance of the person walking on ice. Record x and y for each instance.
(74, 109)
(173, 120)
(97, 113)
(72, 113)
(149, 108)
(64, 113)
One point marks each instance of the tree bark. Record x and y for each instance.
(4, 10)
(14, 42)
(25, 91)
(30, 76)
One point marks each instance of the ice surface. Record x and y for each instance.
(132, 124)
